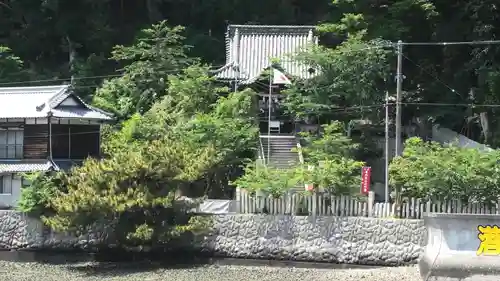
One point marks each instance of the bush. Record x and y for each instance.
(430, 170)
(340, 176)
(273, 181)
(134, 193)
(333, 168)
(35, 198)
(337, 177)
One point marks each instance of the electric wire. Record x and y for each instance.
(452, 43)
(432, 76)
(82, 78)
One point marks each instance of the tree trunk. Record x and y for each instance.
(153, 11)
(485, 126)
(71, 58)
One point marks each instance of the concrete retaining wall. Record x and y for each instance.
(321, 239)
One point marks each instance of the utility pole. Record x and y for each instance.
(399, 86)
(387, 152)
(270, 104)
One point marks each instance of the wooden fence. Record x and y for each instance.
(327, 205)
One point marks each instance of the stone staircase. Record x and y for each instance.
(281, 154)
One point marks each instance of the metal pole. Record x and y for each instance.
(69, 142)
(49, 119)
(236, 58)
(399, 86)
(269, 117)
(387, 153)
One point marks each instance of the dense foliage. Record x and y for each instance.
(433, 171)
(57, 40)
(36, 197)
(328, 165)
(192, 137)
(179, 132)
(154, 159)
(134, 191)
(352, 75)
(158, 52)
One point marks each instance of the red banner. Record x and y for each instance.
(366, 174)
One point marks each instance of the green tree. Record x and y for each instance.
(332, 156)
(196, 107)
(36, 197)
(157, 53)
(329, 165)
(429, 170)
(339, 176)
(450, 74)
(56, 38)
(137, 189)
(350, 81)
(331, 143)
(272, 181)
(134, 192)
(11, 66)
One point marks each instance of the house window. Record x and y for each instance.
(6, 184)
(25, 182)
(11, 143)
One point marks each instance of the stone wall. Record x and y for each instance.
(359, 240)
(20, 232)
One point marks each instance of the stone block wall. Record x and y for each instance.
(356, 240)
(20, 232)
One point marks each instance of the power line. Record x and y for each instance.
(358, 107)
(331, 110)
(83, 78)
(443, 43)
(381, 46)
(170, 71)
(433, 76)
(61, 79)
(451, 104)
(348, 110)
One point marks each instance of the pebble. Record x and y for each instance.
(14, 271)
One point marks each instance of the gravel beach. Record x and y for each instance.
(12, 271)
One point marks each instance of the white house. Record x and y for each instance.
(43, 128)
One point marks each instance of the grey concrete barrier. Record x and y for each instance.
(461, 247)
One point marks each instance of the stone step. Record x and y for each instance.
(281, 151)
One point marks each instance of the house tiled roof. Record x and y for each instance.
(39, 101)
(251, 49)
(25, 166)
